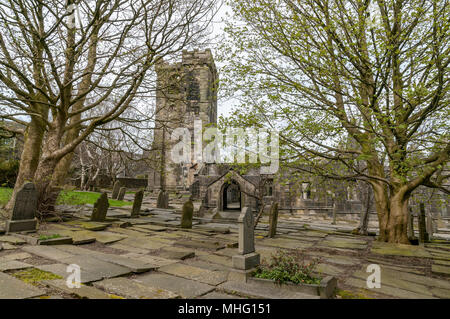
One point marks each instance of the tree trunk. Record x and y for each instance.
(392, 211)
(44, 172)
(29, 159)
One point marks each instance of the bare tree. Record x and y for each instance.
(68, 76)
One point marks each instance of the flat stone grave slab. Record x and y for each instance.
(15, 256)
(176, 253)
(387, 290)
(154, 261)
(441, 262)
(144, 243)
(135, 265)
(61, 270)
(115, 213)
(206, 265)
(399, 250)
(198, 274)
(47, 252)
(106, 237)
(13, 288)
(285, 243)
(328, 269)
(202, 244)
(84, 292)
(13, 265)
(217, 259)
(254, 290)
(79, 237)
(213, 228)
(128, 231)
(129, 249)
(96, 266)
(12, 240)
(406, 281)
(184, 287)
(8, 246)
(153, 228)
(131, 289)
(88, 225)
(438, 269)
(230, 252)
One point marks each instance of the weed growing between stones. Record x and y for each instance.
(288, 266)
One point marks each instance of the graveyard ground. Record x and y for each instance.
(152, 257)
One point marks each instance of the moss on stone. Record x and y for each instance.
(33, 275)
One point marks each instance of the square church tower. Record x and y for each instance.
(186, 92)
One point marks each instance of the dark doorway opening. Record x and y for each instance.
(231, 197)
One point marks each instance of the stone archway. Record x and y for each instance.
(230, 197)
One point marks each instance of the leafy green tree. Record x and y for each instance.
(358, 89)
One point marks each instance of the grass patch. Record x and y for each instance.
(5, 195)
(67, 198)
(47, 237)
(33, 275)
(81, 198)
(290, 267)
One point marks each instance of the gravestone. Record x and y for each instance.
(429, 225)
(122, 192)
(334, 213)
(423, 236)
(188, 212)
(273, 220)
(247, 260)
(100, 208)
(138, 197)
(24, 210)
(163, 200)
(116, 189)
(410, 224)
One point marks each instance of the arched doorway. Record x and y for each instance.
(231, 197)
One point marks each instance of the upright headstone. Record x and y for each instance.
(24, 210)
(138, 197)
(188, 212)
(334, 213)
(116, 190)
(429, 225)
(100, 208)
(121, 193)
(423, 236)
(247, 259)
(163, 200)
(273, 220)
(410, 224)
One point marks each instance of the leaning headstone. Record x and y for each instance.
(24, 210)
(247, 260)
(121, 193)
(188, 212)
(163, 200)
(100, 208)
(136, 210)
(273, 220)
(116, 190)
(423, 236)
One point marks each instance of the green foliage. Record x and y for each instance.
(67, 198)
(288, 267)
(5, 195)
(8, 173)
(47, 237)
(33, 276)
(81, 198)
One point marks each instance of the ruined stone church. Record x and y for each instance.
(187, 92)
